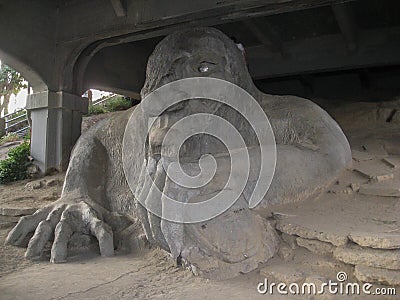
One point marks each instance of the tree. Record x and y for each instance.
(11, 82)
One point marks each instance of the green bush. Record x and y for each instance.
(27, 136)
(118, 103)
(115, 103)
(97, 109)
(16, 165)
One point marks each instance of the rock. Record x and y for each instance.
(355, 186)
(361, 155)
(8, 221)
(376, 240)
(375, 171)
(330, 237)
(383, 191)
(393, 162)
(33, 185)
(279, 274)
(52, 182)
(349, 183)
(50, 198)
(285, 253)
(7, 225)
(329, 263)
(304, 265)
(290, 240)
(355, 255)
(396, 118)
(316, 246)
(380, 178)
(373, 175)
(52, 172)
(318, 281)
(17, 211)
(377, 275)
(194, 270)
(33, 171)
(281, 216)
(341, 191)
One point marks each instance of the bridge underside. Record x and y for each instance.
(66, 47)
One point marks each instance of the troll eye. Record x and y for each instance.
(205, 66)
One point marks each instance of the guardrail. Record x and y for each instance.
(94, 103)
(16, 122)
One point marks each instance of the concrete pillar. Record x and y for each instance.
(56, 125)
(2, 127)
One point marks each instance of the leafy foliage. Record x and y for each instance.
(11, 82)
(116, 103)
(97, 109)
(27, 136)
(16, 165)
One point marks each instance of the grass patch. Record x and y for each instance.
(115, 103)
(10, 137)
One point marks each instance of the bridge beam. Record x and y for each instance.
(119, 8)
(345, 19)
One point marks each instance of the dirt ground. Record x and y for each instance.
(363, 201)
(18, 199)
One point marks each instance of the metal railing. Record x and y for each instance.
(17, 122)
(94, 103)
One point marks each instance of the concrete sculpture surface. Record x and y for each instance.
(105, 176)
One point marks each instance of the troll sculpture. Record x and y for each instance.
(96, 199)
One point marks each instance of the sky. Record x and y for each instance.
(19, 101)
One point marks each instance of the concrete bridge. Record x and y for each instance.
(64, 47)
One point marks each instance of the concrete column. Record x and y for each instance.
(2, 127)
(56, 125)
